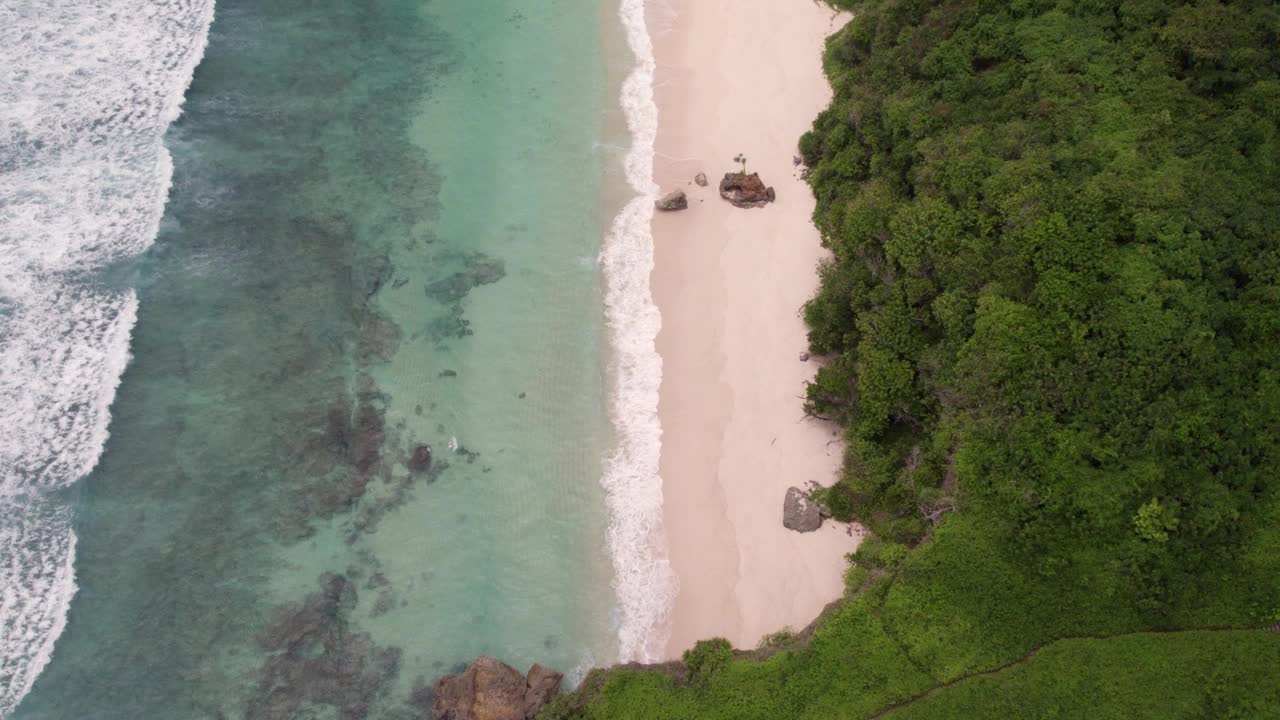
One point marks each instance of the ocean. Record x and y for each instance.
(327, 352)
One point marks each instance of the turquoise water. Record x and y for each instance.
(381, 237)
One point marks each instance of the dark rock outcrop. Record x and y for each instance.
(746, 191)
(674, 200)
(493, 690)
(420, 462)
(543, 683)
(799, 513)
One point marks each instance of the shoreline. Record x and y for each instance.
(643, 582)
(729, 284)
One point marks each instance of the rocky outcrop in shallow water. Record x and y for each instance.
(420, 461)
(493, 690)
(746, 191)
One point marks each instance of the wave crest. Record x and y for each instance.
(643, 580)
(94, 84)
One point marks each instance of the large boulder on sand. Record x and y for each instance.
(493, 690)
(674, 200)
(799, 513)
(746, 191)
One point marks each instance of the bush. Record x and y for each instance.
(855, 576)
(706, 659)
(838, 500)
(776, 639)
(878, 553)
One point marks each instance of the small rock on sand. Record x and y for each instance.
(674, 200)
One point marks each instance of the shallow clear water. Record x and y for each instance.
(381, 237)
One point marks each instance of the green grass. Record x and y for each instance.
(850, 669)
(1232, 675)
(962, 604)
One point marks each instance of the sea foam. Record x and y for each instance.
(644, 583)
(91, 86)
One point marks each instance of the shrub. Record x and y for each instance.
(776, 639)
(706, 659)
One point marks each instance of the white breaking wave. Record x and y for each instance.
(574, 676)
(644, 582)
(89, 87)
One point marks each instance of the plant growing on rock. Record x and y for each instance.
(741, 159)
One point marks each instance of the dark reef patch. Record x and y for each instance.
(449, 325)
(421, 697)
(477, 269)
(314, 659)
(378, 340)
(467, 453)
(335, 462)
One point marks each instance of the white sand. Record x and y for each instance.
(740, 76)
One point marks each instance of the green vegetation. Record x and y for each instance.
(706, 659)
(1050, 319)
(1054, 228)
(1198, 674)
(779, 639)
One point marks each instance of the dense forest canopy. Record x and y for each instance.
(1056, 229)
(1051, 322)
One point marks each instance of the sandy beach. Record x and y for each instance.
(739, 76)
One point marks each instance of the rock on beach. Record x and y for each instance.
(674, 200)
(746, 191)
(799, 513)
